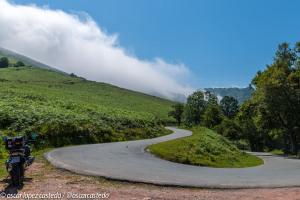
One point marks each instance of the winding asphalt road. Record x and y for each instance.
(130, 162)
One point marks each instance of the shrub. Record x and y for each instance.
(4, 62)
(230, 129)
(19, 64)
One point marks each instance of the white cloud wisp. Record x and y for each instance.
(80, 46)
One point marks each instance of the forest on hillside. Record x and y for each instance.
(269, 120)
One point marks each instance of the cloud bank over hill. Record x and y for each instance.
(77, 44)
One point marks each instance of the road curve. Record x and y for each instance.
(129, 161)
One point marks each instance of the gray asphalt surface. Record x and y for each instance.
(130, 162)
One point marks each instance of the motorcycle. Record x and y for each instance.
(19, 158)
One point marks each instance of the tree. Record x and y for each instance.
(247, 121)
(19, 64)
(212, 115)
(177, 112)
(285, 55)
(277, 96)
(229, 128)
(194, 108)
(4, 62)
(73, 75)
(211, 98)
(297, 50)
(229, 106)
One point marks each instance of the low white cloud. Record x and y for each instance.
(77, 45)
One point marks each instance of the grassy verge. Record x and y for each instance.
(204, 148)
(3, 172)
(277, 152)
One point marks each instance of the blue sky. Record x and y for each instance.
(223, 42)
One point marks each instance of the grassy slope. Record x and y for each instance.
(205, 148)
(49, 86)
(60, 106)
(14, 57)
(34, 99)
(55, 104)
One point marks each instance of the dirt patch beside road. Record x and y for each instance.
(43, 178)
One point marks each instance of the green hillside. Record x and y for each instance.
(14, 57)
(205, 148)
(69, 110)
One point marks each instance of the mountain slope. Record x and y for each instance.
(241, 94)
(13, 57)
(68, 110)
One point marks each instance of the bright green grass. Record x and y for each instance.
(3, 172)
(205, 148)
(48, 88)
(58, 105)
(277, 152)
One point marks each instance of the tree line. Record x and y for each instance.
(269, 120)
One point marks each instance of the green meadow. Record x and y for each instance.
(67, 109)
(204, 148)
